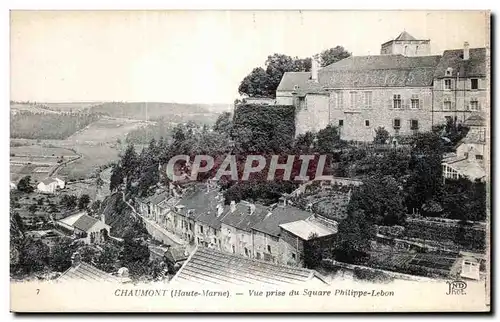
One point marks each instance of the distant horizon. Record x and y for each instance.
(112, 101)
(199, 56)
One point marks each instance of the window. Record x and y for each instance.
(341, 122)
(406, 50)
(368, 99)
(474, 105)
(201, 229)
(191, 227)
(340, 100)
(353, 99)
(479, 157)
(414, 124)
(198, 240)
(415, 102)
(447, 84)
(367, 122)
(397, 123)
(447, 104)
(397, 101)
(474, 83)
(258, 255)
(449, 71)
(246, 251)
(269, 248)
(294, 256)
(233, 249)
(302, 103)
(416, 50)
(296, 87)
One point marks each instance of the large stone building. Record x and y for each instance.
(404, 90)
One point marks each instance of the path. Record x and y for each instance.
(155, 230)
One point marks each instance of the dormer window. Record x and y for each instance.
(296, 87)
(449, 71)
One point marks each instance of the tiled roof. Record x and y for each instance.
(278, 216)
(242, 219)
(70, 220)
(299, 82)
(86, 273)
(475, 120)
(85, 222)
(49, 181)
(405, 36)
(474, 66)
(209, 266)
(177, 254)
(379, 71)
(304, 229)
(201, 205)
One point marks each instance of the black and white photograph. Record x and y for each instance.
(299, 160)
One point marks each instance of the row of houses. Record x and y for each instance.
(277, 234)
(404, 90)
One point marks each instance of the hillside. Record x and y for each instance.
(118, 215)
(174, 112)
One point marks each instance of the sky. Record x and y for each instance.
(198, 56)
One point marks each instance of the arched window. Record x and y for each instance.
(406, 50)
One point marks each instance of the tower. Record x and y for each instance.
(407, 45)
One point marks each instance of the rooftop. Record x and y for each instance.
(49, 181)
(278, 216)
(241, 218)
(305, 228)
(474, 66)
(467, 167)
(209, 266)
(201, 205)
(475, 120)
(87, 273)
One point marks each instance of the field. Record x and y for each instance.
(92, 157)
(106, 130)
(70, 107)
(36, 161)
(15, 108)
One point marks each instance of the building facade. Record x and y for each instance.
(404, 90)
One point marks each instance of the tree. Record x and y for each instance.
(96, 205)
(61, 255)
(69, 201)
(256, 84)
(327, 139)
(313, 253)
(34, 255)
(381, 200)
(425, 182)
(381, 135)
(83, 202)
(33, 208)
(354, 237)
(116, 177)
(24, 185)
(263, 83)
(108, 259)
(129, 163)
(224, 124)
(333, 55)
(304, 142)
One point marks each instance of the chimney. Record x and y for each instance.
(466, 50)
(314, 69)
(233, 206)
(76, 259)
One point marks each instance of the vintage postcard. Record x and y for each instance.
(250, 161)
